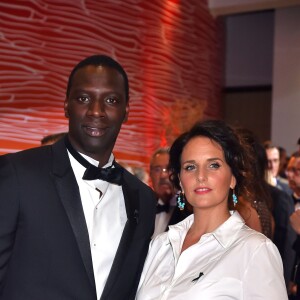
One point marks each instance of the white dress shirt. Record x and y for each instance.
(233, 262)
(105, 216)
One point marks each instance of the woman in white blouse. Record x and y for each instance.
(212, 254)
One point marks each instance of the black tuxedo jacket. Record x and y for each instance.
(44, 243)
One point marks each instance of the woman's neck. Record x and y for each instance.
(204, 222)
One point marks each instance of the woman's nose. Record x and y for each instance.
(201, 175)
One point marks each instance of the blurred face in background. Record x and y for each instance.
(293, 174)
(273, 161)
(159, 175)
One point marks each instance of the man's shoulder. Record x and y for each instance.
(33, 156)
(25, 154)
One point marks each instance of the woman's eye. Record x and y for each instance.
(214, 165)
(83, 99)
(189, 167)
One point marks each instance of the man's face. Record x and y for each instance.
(273, 160)
(293, 174)
(159, 175)
(96, 108)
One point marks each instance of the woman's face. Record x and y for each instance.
(205, 176)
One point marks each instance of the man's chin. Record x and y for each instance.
(166, 197)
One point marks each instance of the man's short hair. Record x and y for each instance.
(162, 150)
(99, 60)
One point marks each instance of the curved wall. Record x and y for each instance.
(170, 49)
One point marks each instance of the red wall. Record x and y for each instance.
(169, 48)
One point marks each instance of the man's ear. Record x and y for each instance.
(66, 108)
(126, 113)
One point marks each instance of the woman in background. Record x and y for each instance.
(255, 204)
(211, 254)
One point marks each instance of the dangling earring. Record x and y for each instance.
(234, 198)
(180, 200)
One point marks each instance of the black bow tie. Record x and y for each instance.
(111, 174)
(162, 208)
(296, 200)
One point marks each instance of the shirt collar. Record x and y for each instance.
(96, 162)
(225, 234)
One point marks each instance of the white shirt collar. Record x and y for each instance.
(223, 234)
(96, 162)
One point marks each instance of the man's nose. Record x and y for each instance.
(96, 108)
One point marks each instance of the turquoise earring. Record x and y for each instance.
(180, 200)
(234, 198)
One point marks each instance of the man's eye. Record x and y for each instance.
(83, 99)
(111, 100)
(214, 165)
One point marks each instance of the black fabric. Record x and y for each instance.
(162, 208)
(29, 236)
(296, 200)
(111, 174)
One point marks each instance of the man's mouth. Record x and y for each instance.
(94, 131)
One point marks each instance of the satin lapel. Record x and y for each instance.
(132, 210)
(70, 197)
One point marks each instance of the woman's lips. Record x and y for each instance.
(202, 190)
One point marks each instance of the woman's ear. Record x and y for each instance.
(180, 184)
(233, 183)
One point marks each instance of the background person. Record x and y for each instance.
(211, 254)
(293, 175)
(167, 213)
(73, 223)
(273, 155)
(255, 204)
(52, 138)
(273, 206)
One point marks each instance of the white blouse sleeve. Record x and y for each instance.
(257, 284)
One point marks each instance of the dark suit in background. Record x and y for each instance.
(284, 235)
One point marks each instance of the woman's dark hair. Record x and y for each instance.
(257, 185)
(221, 133)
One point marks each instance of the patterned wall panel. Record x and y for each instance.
(169, 48)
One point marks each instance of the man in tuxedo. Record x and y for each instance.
(73, 223)
(167, 213)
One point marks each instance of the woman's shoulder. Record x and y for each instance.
(253, 239)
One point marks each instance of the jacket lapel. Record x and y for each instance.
(132, 209)
(68, 191)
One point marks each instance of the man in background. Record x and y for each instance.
(273, 156)
(167, 213)
(52, 138)
(293, 175)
